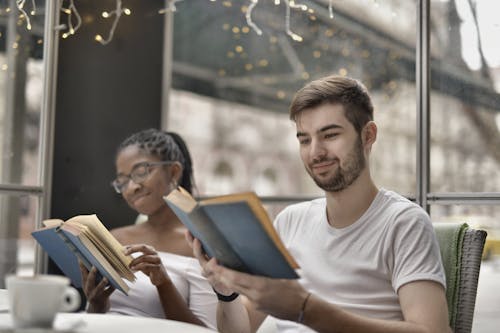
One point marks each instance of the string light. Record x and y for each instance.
(248, 16)
(291, 4)
(73, 16)
(71, 12)
(117, 13)
(20, 6)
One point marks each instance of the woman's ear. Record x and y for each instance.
(176, 173)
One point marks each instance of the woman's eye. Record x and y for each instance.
(141, 171)
(330, 135)
(120, 180)
(304, 141)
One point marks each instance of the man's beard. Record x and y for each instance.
(345, 175)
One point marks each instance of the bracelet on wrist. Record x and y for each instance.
(228, 298)
(300, 319)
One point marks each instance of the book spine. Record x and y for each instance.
(73, 248)
(77, 252)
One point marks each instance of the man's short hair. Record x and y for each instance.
(348, 92)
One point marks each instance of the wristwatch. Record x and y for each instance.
(228, 298)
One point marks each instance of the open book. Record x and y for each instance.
(236, 230)
(84, 237)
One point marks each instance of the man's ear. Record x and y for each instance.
(369, 134)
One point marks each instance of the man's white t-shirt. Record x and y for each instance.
(361, 267)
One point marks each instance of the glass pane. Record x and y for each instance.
(21, 90)
(481, 216)
(465, 99)
(488, 293)
(231, 93)
(17, 221)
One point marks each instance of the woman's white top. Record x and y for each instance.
(185, 273)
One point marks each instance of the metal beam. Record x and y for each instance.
(423, 103)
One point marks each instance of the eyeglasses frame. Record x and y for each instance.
(119, 187)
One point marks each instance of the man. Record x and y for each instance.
(369, 258)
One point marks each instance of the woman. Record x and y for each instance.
(150, 164)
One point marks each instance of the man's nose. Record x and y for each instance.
(318, 150)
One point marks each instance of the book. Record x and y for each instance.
(85, 238)
(236, 230)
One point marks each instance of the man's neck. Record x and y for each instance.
(347, 206)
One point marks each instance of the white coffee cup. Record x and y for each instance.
(35, 300)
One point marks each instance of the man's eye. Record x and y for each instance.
(330, 135)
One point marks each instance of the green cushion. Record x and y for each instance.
(450, 237)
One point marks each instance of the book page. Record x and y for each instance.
(105, 241)
(52, 223)
(117, 264)
(105, 264)
(101, 259)
(182, 199)
(83, 232)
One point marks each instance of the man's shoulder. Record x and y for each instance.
(292, 220)
(302, 210)
(304, 206)
(397, 209)
(391, 199)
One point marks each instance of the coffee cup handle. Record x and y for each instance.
(71, 300)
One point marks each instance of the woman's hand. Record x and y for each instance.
(97, 293)
(149, 263)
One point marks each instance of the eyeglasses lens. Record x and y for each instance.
(138, 175)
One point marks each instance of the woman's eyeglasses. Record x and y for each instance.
(139, 174)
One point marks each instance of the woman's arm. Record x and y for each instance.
(172, 302)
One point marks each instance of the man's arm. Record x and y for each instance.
(423, 304)
(238, 316)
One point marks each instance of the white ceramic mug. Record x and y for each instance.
(35, 300)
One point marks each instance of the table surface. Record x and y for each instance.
(105, 323)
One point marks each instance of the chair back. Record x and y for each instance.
(461, 251)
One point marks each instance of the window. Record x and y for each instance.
(23, 138)
(246, 81)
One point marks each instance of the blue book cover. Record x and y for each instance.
(236, 230)
(214, 244)
(59, 252)
(88, 258)
(248, 238)
(65, 248)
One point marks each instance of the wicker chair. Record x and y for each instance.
(461, 250)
